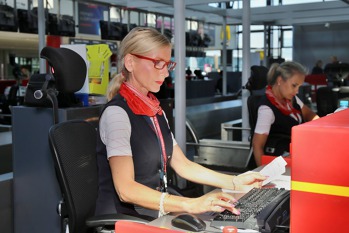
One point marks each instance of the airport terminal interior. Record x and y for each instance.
(223, 51)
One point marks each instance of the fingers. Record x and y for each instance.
(250, 178)
(259, 176)
(221, 201)
(221, 205)
(255, 175)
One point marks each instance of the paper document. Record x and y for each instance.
(274, 169)
(282, 181)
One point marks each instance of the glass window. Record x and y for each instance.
(287, 54)
(151, 20)
(287, 38)
(257, 40)
(288, 2)
(258, 3)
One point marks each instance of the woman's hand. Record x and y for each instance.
(248, 180)
(212, 202)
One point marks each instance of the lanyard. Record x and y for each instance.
(160, 137)
(163, 156)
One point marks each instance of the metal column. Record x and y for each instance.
(224, 56)
(41, 32)
(180, 85)
(246, 72)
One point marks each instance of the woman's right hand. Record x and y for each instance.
(212, 202)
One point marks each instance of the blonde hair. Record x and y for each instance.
(286, 70)
(139, 40)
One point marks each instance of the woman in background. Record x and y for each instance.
(279, 110)
(317, 69)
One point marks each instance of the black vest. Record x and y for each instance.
(145, 154)
(279, 137)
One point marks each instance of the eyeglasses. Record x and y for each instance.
(158, 64)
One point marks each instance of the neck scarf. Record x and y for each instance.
(140, 104)
(286, 109)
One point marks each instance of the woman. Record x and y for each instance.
(279, 110)
(317, 69)
(136, 145)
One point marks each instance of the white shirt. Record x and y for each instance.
(266, 118)
(115, 131)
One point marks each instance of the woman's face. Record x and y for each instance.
(144, 76)
(289, 88)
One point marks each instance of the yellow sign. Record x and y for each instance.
(98, 70)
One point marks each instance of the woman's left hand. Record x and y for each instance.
(248, 180)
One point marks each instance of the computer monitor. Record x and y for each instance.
(343, 103)
(8, 20)
(112, 30)
(28, 20)
(64, 25)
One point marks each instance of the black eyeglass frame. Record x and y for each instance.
(170, 64)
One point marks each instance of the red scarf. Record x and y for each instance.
(286, 109)
(140, 104)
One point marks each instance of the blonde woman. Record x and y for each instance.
(136, 146)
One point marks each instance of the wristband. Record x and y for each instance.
(161, 205)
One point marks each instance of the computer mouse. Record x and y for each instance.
(188, 222)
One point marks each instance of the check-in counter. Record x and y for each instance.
(35, 186)
(320, 176)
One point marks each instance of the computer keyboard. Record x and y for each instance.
(261, 209)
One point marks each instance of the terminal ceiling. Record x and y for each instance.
(296, 14)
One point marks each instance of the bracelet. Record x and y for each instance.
(233, 183)
(161, 205)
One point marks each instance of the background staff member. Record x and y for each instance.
(279, 110)
(136, 145)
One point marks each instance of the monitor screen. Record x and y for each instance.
(344, 103)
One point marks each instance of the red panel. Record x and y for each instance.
(316, 79)
(53, 41)
(127, 226)
(320, 156)
(318, 213)
(320, 150)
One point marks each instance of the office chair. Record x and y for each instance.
(73, 144)
(326, 101)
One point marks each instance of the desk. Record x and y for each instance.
(165, 221)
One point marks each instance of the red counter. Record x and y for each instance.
(320, 175)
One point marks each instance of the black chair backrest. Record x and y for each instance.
(74, 150)
(60, 59)
(326, 101)
(252, 106)
(258, 78)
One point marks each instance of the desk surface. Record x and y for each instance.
(165, 221)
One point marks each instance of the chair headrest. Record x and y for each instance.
(69, 68)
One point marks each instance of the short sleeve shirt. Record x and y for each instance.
(266, 118)
(115, 131)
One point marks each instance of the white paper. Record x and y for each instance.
(274, 169)
(282, 181)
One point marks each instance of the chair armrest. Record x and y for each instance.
(110, 219)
